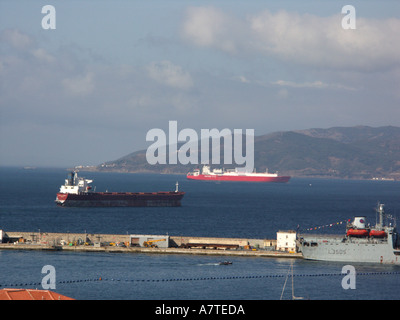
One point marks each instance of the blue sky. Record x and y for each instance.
(90, 90)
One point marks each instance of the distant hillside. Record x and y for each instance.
(341, 152)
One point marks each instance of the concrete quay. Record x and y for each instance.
(115, 249)
(114, 243)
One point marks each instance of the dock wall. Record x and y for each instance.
(88, 242)
(52, 239)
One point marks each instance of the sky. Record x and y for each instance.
(89, 90)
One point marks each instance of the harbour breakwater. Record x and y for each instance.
(161, 244)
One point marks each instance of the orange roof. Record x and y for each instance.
(31, 294)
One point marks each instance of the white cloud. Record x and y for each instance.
(305, 39)
(283, 94)
(210, 27)
(80, 85)
(167, 73)
(43, 55)
(16, 39)
(315, 84)
(241, 79)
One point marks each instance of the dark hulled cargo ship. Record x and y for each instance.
(77, 192)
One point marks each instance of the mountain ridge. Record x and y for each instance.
(359, 152)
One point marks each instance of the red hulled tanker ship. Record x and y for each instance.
(234, 175)
(77, 192)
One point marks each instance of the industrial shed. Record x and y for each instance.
(151, 241)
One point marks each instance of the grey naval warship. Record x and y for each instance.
(362, 243)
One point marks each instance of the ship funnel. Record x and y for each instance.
(359, 222)
(70, 179)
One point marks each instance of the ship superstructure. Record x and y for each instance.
(234, 175)
(77, 192)
(361, 243)
(76, 185)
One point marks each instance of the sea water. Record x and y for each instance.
(209, 209)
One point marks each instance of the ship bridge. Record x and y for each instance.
(75, 185)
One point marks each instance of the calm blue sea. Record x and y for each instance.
(243, 210)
